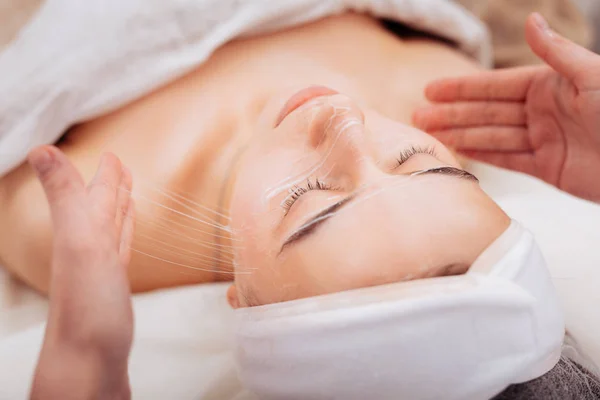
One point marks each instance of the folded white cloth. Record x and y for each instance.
(77, 60)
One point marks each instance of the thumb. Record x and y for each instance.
(574, 62)
(62, 183)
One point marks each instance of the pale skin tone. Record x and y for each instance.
(381, 211)
(90, 213)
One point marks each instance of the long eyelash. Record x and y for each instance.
(413, 150)
(298, 191)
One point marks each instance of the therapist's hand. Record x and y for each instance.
(90, 323)
(543, 121)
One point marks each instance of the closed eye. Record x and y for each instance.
(406, 154)
(299, 190)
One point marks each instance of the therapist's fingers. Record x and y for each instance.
(127, 234)
(62, 183)
(579, 65)
(499, 85)
(103, 190)
(123, 198)
(454, 115)
(496, 138)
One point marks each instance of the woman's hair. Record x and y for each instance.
(568, 380)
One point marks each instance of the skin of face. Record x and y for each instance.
(391, 222)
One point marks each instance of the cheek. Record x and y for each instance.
(263, 179)
(252, 215)
(254, 176)
(351, 259)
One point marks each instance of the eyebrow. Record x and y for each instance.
(310, 226)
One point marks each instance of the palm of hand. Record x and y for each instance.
(542, 121)
(90, 299)
(531, 120)
(97, 286)
(562, 124)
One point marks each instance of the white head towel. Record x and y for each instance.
(460, 337)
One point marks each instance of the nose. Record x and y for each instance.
(339, 136)
(337, 120)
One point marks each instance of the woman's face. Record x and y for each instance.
(331, 197)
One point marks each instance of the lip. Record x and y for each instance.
(302, 97)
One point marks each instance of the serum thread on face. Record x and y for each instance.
(295, 180)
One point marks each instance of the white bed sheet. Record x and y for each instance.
(181, 348)
(182, 338)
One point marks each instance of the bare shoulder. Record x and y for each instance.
(26, 228)
(25, 231)
(166, 256)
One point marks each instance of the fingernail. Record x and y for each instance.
(542, 23)
(42, 160)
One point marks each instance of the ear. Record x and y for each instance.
(232, 297)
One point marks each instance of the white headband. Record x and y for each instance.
(459, 337)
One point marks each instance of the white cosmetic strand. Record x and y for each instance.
(294, 181)
(290, 182)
